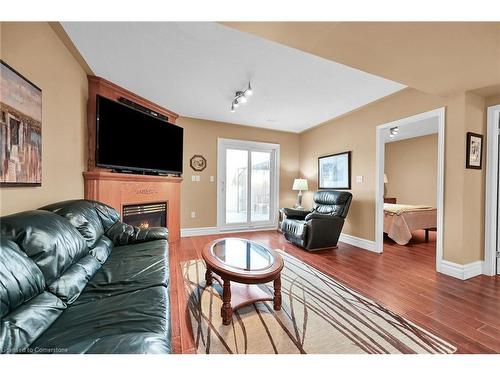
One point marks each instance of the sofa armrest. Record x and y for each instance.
(292, 213)
(125, 234)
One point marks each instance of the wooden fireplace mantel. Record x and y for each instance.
(120, 189)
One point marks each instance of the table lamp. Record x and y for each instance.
(299, 184)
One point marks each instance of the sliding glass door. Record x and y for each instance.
(247, 177)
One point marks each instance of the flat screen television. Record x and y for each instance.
(131, 140)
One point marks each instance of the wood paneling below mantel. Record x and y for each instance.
(119, 189)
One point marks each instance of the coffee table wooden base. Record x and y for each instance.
(237, 295)
(239, 275)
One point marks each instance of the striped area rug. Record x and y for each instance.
(318, 315)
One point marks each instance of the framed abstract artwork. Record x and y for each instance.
(334, 171)
(20, 129)
(474, 157)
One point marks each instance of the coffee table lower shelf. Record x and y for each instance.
(237, 295)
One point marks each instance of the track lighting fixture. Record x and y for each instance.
(241, 97)
(248, 91)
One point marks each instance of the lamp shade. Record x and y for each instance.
(385, 179)
(300, 184)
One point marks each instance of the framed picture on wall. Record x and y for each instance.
(474, 155)
(20, 129)
(334, 171)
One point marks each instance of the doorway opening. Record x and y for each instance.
(409, 190)
(248, 185)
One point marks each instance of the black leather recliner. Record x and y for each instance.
(75, 279)
(319, 228)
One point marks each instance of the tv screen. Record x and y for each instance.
(128, 139)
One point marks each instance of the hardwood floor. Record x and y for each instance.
(403, 279)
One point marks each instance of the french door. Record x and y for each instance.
(247, 175)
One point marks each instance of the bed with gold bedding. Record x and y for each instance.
(402, 219)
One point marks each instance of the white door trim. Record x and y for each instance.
(491, 202)
(222, 144)
(379, 179)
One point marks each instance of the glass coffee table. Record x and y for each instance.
(241, 264)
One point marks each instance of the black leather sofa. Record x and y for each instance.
(319, 228)
(74, 279)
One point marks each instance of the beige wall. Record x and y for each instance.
(463, 213)
(35, 51)
(201, 138)
(413, 53)
(356, 132)
(474, 183)
(492, 100)
(411, 169)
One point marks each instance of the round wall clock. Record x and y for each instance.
(198, 163)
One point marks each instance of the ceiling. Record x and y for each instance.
(439, 58)
(194, 69)
(414, 129)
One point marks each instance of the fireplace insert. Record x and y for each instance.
(146, 215)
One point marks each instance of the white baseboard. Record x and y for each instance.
(205, 231)
(461, 271)
(358, 242)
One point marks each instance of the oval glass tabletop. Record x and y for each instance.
(242, 254)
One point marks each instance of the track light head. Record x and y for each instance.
(249, 91)
(393, 131)
(241, 97)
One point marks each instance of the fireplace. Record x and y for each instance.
(145, 215)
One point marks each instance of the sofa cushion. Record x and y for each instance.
(124, 234)
(20, 328)
(125, 343)
(20, 278)
(69, 286)
(86, 216)
(48, 239)
(102, 249)
(103, 325)
(130, 268)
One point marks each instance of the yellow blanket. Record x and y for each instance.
(398, 209)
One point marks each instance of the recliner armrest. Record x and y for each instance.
(316, 215)
(125, 234)
(292, 213)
